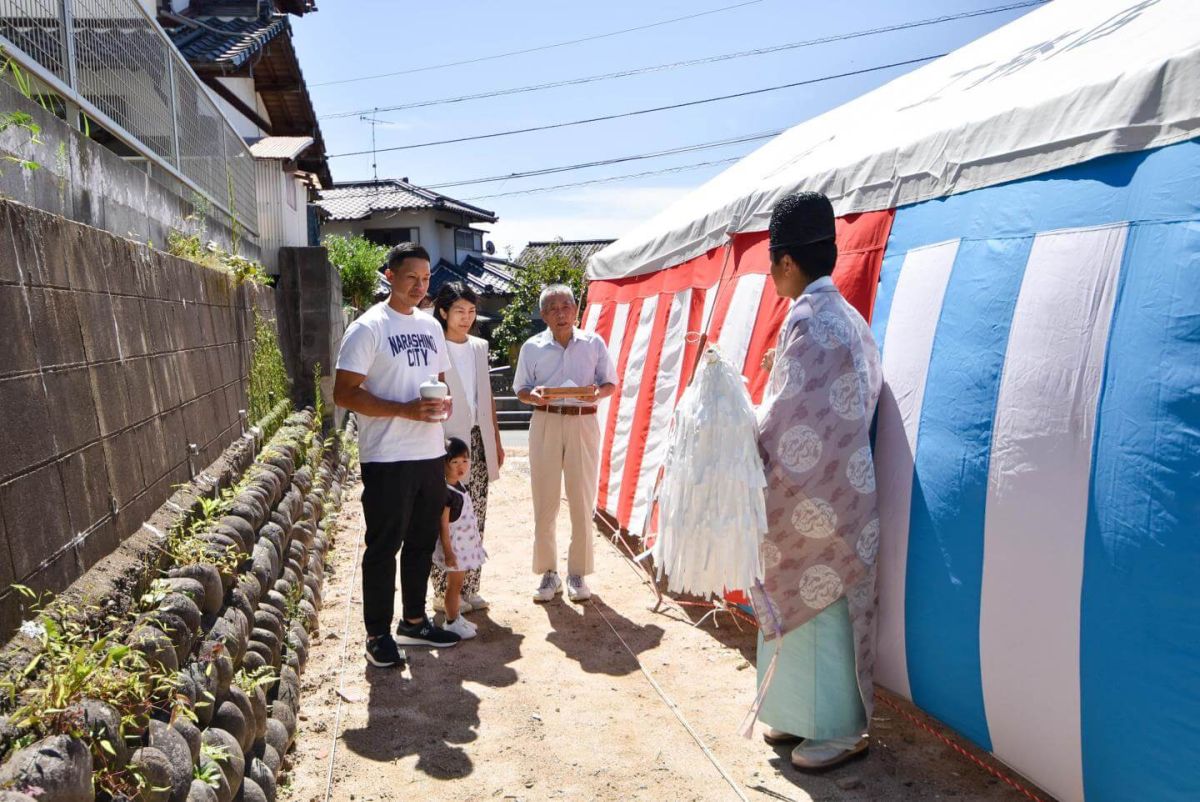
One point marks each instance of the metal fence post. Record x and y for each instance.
(230, 185)
(67, 18)
(174, 111)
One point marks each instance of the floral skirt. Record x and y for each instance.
(477, 488)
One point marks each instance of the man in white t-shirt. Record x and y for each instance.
(386, 355)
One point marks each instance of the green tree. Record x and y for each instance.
(358, 261)
(517, 323)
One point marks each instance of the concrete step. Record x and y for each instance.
(513, 416)
(510, 403)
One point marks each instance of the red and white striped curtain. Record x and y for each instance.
(727, 294)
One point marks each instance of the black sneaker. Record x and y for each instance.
(382, 652)
(425, 633)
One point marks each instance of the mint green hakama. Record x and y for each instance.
(814, 693)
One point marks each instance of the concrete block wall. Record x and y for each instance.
(113, 358)
(311, 319)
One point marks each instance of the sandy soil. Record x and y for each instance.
(559, 701)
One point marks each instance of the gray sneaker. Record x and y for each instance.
(550, 587)
(577, 589)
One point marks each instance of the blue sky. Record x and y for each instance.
(354, 38)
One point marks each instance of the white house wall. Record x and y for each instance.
(412, 218)
(279, 225)
(445, 238)
(436, 238)
(243, 88)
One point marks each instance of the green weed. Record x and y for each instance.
(268, 378)
(78, 661)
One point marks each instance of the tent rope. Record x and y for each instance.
(674, 708)
(992, 770)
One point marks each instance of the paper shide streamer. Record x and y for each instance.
(712, 510)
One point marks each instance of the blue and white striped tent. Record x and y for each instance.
(1038, 439)
(1038, 458)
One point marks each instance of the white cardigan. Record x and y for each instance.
(459, 423)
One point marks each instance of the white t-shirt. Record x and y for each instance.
(463, 357)
(397, 353)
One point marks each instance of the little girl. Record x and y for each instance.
(460, 548)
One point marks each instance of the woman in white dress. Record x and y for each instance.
(473, 419)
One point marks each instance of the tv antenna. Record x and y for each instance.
(374, 122)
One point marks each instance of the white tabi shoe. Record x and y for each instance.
(821, 755)
(780, 738)
(475, 602)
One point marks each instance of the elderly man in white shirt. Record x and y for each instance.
(564, 436)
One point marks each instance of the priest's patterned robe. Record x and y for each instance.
(814, 436)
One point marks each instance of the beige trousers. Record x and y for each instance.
(563, 448)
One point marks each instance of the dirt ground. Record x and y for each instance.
(559, 701)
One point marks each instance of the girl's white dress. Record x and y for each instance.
(464, 535)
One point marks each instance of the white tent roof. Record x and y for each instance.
(1071, 81)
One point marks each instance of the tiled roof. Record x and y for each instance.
(444, 273)
(358, 199)
(483, 278)
(491, 275)
(577, 251)
(280, 147)
(238, 40)
(505, 266)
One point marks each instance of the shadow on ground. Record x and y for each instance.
(424, 710)
(813, 782)
(580, 633)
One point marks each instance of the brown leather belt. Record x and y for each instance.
(561, 410)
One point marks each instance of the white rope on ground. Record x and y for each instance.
(674, 708)
(337, 718)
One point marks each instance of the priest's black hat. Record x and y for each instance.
(801, 219)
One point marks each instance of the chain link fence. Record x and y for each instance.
(114, 62)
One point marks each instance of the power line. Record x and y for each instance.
(566, 168)
(618, 160)
(688, 63)
(679, 169)
(605, 162)
(539, 48)
(639, 112)
(378, 190)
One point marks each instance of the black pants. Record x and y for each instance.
(403, 503)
